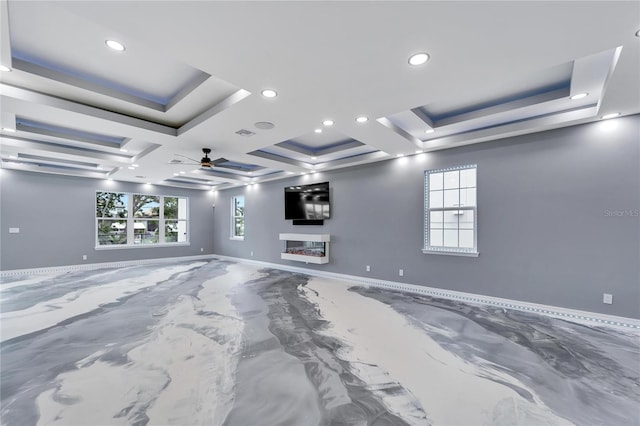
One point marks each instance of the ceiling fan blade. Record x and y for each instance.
(218, 161)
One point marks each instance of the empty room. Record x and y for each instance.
(319, 213)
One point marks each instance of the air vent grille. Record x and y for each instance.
(245, 132)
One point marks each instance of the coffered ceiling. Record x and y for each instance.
(191, 76)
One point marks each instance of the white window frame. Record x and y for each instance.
(454, 251)
(130, 220)
(234, 217)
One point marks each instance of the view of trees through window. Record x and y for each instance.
(140, 219)
(237, 217)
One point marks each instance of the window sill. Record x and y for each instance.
(135, 246)
(236, 238)
(452, 253)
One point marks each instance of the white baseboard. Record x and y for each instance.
(552, 311)
(93, 266)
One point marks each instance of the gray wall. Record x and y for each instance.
(56, 217)
(557, 219)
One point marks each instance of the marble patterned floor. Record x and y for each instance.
(221, 343)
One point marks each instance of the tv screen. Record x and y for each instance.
(307, 202)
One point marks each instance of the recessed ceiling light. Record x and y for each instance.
(612, 115)
(131, 168)
(428, 131)
(638, 33)
(5, 68)
(419, 58)
(318, 130)
(123, 150)
(362, 119)
(176, 174)
(13, 157)
(10, 130)
(327, 123)
(269, 93)
(419, 151)
(399, 155)
(135, 165)
(182, 173)
(579, 96)
(313, 157)
(115, 45)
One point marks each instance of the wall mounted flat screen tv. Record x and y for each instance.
(307, 202)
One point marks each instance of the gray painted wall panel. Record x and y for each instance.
(544, 234)
(55, 215)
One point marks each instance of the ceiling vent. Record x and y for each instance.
(264, 125)
(245, 132)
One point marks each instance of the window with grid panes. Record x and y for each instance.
(451, 213)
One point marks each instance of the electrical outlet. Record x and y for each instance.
(84, 257)
(251, 254)
(201, 249)
(607, 298)
(368, 268)
(401, 272)
(14, 230)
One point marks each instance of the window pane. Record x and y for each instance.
(465, 219)
(112, 232)
(146, 206)
(182, 208)
(435, 181)
(452, 179)
(175, 231)
(175, 208)
(468, 178)
(435, 238)
(238, 206)
(450, 238)
(451, 197)
(145, 231)
(170, 207)
(466, 238)
(436, 220)
(111, 204)
(468, 197)
(451, 219)
(238, 227)
(435, 199)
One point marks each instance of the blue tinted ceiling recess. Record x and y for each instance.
(317, 148)
(521, 120)
(566, 85)
(72, 133)
(78, 148)
(241, 166)
(164, 101)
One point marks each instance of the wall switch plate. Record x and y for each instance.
(607, 298)
(84, 257)
(368, 268)
(401, 272)
(14, 230)
(251, 254)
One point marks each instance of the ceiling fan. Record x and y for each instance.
(204, 161)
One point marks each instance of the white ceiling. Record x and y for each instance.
(192, 73)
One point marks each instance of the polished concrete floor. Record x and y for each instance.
(220, 343)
